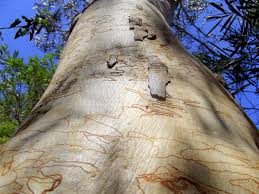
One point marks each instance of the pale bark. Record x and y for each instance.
(111, 123)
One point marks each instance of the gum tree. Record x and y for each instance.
(129, 110)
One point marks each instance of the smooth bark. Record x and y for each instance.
(130, 111)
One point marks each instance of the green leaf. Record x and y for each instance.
(24, 32)
(26, 19)
(31, 35)
(18, 33)
(15, 23)
(15, 54)
(215, 26)
(214, 17)
(1, 36)
(39, 30)
(21, 84)
(218, 7)
(232, 8)
(226, 23)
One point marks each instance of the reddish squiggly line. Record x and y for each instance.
(169, 181)
(55, 181)
(239, 185)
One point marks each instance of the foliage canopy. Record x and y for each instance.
(21, 86)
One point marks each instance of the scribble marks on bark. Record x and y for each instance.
(176, 181)
(158, 78)
(48, 183)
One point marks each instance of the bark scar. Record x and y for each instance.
(112, 59)
(158, 78)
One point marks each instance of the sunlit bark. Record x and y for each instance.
(130, 111)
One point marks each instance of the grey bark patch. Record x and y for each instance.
(135, 20)
(158, 78)
(140, 34)
(151, 34)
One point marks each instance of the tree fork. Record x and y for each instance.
(114, 123)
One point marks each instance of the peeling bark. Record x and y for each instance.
(158, 78)
(140, 31)
(112, 59)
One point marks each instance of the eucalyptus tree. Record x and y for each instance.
(226, 42)
(129, 110)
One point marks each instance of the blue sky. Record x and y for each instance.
(10, 10)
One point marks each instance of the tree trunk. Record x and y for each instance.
(130, 111)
